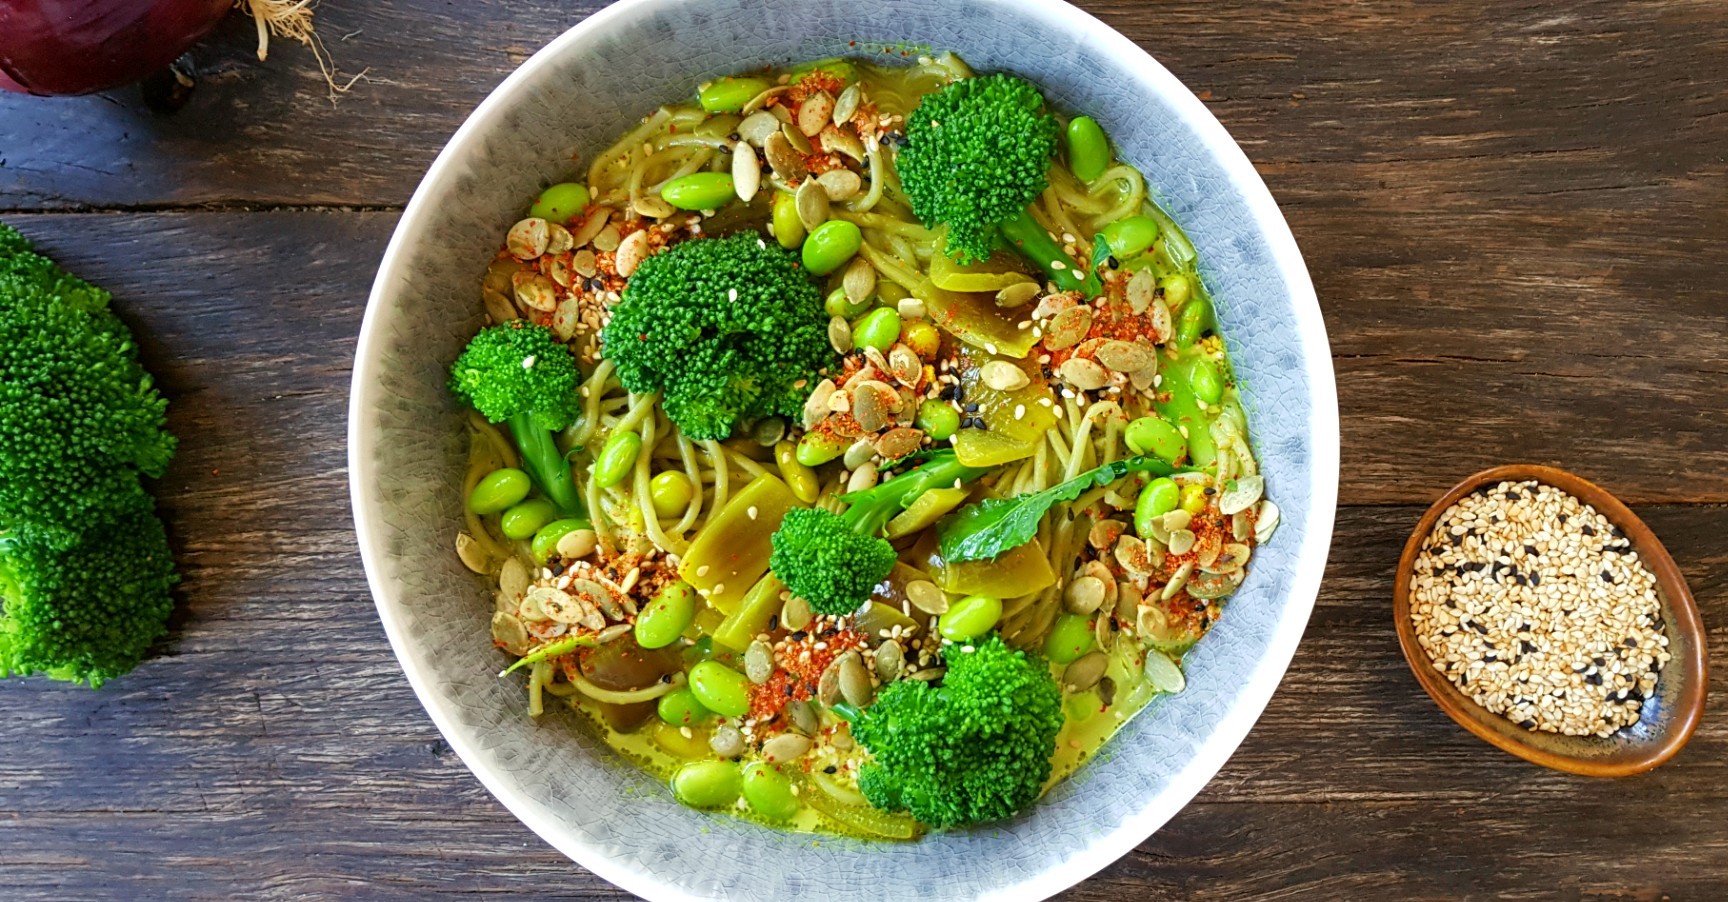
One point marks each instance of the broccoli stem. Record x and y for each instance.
(1028, 238)
(546, 464)
(871, 509)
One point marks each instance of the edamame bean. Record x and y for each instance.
(699, 191)
(616, 459)
(1131, 236)
(1194, 498)
(1159, 497)
(891, 293)
(728, 94)
(769, 791)
(720, 689)
(560, 202)
(707, 784)
(838, 304)
(523, 520)
(1192, 322)
(969, 618)
(830, 246)
(923, 338)
(1070, 637)
(799, 478)
(681, 709)
(670, 493)
(939, 419)
(879, 329)
(1088, 149)
(667, 615)
(1152, 435)
(1176, 289)
(498, 490)
(545, 543)
(1207, 380)
(788, 228)
(820, 446)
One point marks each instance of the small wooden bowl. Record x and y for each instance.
(1668, 718)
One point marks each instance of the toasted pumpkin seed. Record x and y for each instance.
(1242, 493)
(890, 658)
(591, 226)
(828, 685)
(1142, 290)
(840, 184)
(834, 140)
(904, 366)
(815, 112)
(472, 553)
(812, 204)
(1104, 533)
(558, 238)
(1181, 541)
(527, 239)
(803, 717)
(759, 662)
(1126, 357)
(499, 307)
(1017, 295)
(859, 281)
(1265, 521)
(1085, 672)
(509, 632)
(847, 104)
(727, 741)
(1068, 328)
(855, 680)
(926, 596)
(1084, 595)
(785, 747)
(577, 543)
(899, 442)
(1083, 374)
(783, 158)
(535, 291)
(1004, 376)
(756, 128)
(631, 252)
(795, 613)
(746, 171)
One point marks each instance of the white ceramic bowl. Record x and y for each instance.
(406, 446)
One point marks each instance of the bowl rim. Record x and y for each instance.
(1679, 608)
(1300, 593)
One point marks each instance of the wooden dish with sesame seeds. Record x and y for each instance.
(1665, 720)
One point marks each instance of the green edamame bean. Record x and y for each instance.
(670, 493)
(831, 245)
(1070, 637)
(699, 191)
(1193, 498)
(1088, 149)
(1152, 435)
(560, 202)
(681, 709)
(1176, 289)
(879, 329)
(939, 419)
(1192, 322)
(799, 477)
(728, 94)
(498, 490)
(1207, 379)
(769, 791)
(969, 618)
(819, 447)
(545, 542)
(838, 304)
(891, 293)
(523, 520)
(707, 784)
(1128, 237)
(1159, 497)
(788, 228)
(720, 688)
(667, 615)
(923, 338)
(617, 458)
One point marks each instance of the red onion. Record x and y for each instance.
(79, 46)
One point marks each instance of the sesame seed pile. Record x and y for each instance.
(1539, 609)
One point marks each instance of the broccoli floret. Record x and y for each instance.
(80, 418)
(977, 152)
(724, 329)
(975, 749)
(834, 561)
(522, 375)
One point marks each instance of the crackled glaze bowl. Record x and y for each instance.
(407, 447)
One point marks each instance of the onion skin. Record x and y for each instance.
(55, 47)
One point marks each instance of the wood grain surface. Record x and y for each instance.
(1514, 213)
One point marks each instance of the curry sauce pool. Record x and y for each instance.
(853, 447)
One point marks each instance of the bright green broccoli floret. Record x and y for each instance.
(80, 418)
(87, 612)
(725, 329)
(523, 376)
(977, 152)
(975, 749)
(834, 561)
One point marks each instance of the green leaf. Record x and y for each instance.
(1101, 252)
(985, 530)
(562, 647)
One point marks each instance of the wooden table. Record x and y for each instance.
(1514, 213)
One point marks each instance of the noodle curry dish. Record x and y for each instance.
(853, 447)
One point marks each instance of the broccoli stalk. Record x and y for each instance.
(977, 154)
(835, 561)
(975, 749)
(524, 377)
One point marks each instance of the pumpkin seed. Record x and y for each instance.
(557, 239)
(1159, 316)
(1208, 586)
(815, 112)
(858, 454)
(911, 308)
(840, 335)
(926, 596)
(899, 442)
(803, 717)
(816, 406)
(768, 431)
(874, 404)
(1084, 595)
(785, 747)
(1242, 526)
(535, 291)
(1083, 374)
(591, 226)
(613, 633)
(1177, 581)
(1207, 550)
(1128, 597)
(859, 281)
(904, 366)
(795, 613)
(1181, 541)
(1018, 294)
(1241, 493)
(472, 553)
(812, 204)
(759, 662)
(528, 238)
(585, 263)
(1265, 521)
(855, 680)
(1085, 672)
(1104, 630)
(565, 318)
(1068, 328)
(861, 479)
(786, 161)
(834, 140)
(1131, 554)
(1107, 691)
(652, 206)
(828, 685)
(1142, 290)
(555, 604)
(631, 252)
(1176, 519)
(840, 184)
(608, 239)
(847, 104)
(1004, 376)
(1126, 357)
(890, 658)
(529, 610)
(597, 597)
(746, 171)
(577, 543)
(727, 741)
(761, 100)
(558, 269)
(1163, 674)
(509, 632)
(498, 307)
(513, 578)
(799, 141)
(1104, 534)
(756, 128)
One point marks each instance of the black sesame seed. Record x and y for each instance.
(1631, 642)
(972, 408)
(1607, 577)
(1594, 679)
(1587, 529)
(1529, 549)
(1210, 491)
(773, 623)
(1526, 645)
(800, 636)
(830, 769)
(1535, 579)
(1479, 628)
